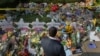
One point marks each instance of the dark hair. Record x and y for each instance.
(52, 31)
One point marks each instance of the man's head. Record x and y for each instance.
(52, 31)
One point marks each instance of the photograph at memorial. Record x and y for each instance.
(49, 27)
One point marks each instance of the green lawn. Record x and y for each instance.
(31, 18)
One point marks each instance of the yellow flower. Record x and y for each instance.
(35, 40)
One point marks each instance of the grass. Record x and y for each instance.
(31, 18)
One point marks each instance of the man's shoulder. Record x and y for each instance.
(44, 38)
(47, 39)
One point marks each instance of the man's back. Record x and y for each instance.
(52, 47)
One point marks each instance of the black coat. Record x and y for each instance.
(52, 47)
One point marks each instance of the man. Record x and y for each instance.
(51, 46)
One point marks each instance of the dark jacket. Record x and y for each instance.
(52, 47)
